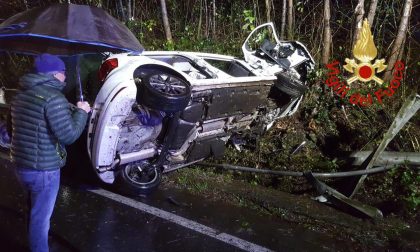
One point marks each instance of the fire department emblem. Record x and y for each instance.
(365, 51)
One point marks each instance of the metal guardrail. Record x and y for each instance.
(409, 108)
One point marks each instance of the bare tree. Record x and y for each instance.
(290, 20)
(121, 11)
(200, 20)
(129, 14)
(133, 10)
(166, 21)
(399, 40)
(268, 9)
(327, 33)
(273, 11)
(207, 19)
(214, 19)
(256, 12)
(372, 11)
(359, 11)
(283, 20)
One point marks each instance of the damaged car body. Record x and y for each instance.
(157, 112)
(160, 111)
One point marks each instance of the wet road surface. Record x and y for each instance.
(88, 217)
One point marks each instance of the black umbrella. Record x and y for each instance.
(66, 29)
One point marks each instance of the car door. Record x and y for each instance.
(268, 55)
(265, 33)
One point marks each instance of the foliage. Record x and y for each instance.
(249, 21)
(410, 182)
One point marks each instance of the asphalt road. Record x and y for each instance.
(88, 217)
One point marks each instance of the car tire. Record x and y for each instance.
(289, 85)
(130, 180)
(162, 89)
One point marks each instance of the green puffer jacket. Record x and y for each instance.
(42, 123)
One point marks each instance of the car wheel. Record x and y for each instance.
(290, 85)
(135, 179)
(162, 89)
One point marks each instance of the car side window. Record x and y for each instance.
(189, 69)
(182, 64)
(230, 67)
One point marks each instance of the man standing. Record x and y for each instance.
(43, 122)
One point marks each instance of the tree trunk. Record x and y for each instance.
(214, 20)
(268, 9)
(359, 11)
(121, 7)
(283, 20)
(327, 33)
(256, 12)
(200, 20)
(290, 20)
(129, 14)
(372, 11)
(166, 21)
(206, 32)
(273, 11)
(133, 10)
(399, 40)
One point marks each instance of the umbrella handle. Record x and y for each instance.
(79, 82)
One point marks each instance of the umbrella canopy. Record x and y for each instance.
(66, 29)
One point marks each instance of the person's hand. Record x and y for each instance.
(84, 105)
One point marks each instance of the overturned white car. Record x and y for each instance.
(160, 111)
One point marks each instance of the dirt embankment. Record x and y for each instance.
(391, 233)
(328, 133)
